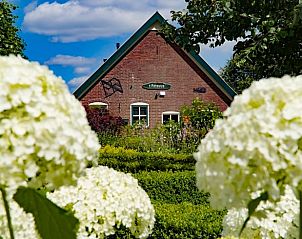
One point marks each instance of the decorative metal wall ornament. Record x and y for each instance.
(200, 90)
(111, 86)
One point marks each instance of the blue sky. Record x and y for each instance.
(73, 37)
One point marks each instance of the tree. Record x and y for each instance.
(10, 42)
(239, 78)
(268, 33)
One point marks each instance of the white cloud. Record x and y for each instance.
(82, 70)
(77, 81)
(80, 20)
(67, 60)
(81, 65)
(218, 56)
(227, 47)
(31, 6)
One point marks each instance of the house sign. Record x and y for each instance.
(156, 86)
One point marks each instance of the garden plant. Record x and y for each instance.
(252, 159)
(52, 187)
(46, 146)
(172, 137)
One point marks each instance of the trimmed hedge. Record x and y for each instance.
(182, 212)
(131, 161)
(172, 187)
(185, 220)
(181, 221)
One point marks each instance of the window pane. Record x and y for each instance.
(143, 118)
(135, 119)
(139, 114)
(135, 110)
(143, 110)
(166, 118)
(174, 118)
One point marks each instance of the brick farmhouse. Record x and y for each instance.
(149, 79)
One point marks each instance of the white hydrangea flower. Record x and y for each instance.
(271, 220)
(23, 223)
(104, 200)
(256, 147)
(44, 133)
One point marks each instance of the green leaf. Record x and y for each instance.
(51, 221)
(252, 205)
(299, 143)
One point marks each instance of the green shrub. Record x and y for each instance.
(131, 161)
(181, 137)
(185, 220)
(172, 187)
(167, 138)
(201, 115)
(107, 138)
(181, 221)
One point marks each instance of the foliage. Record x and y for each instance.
(31, 97)
(182, 221)
(239, 78)
(274, 221)
(185, 220)
(128, 160)
(103, 200)
(254, 153)
(197, 120)
(163, 138)
(103, 123)
(200, 115)
(109, 139)
(181, 211)
(268, 33)
(45, 142)
(259, 143)
(172, 137)
(172, 187)
(44, 133)
(23, 223)
(49, 218)
(10, 42)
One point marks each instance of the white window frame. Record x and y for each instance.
(139, 104)
(98, 105)
(170, 113)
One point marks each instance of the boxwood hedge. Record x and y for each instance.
(182, 221)
(172, 187)
(128, 160)
(185, 220)
(169, 179)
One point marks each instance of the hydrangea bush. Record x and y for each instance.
(23, 223)
(44, 134)
(273, 221)
(104, 200)
(256, 147)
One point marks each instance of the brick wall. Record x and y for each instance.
(154, 60)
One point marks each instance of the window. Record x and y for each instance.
(99, 108)
(170, 115)
(139, 113)
(98, 105)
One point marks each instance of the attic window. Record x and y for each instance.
(98, 105)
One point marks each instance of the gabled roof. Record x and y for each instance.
(155, 20)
